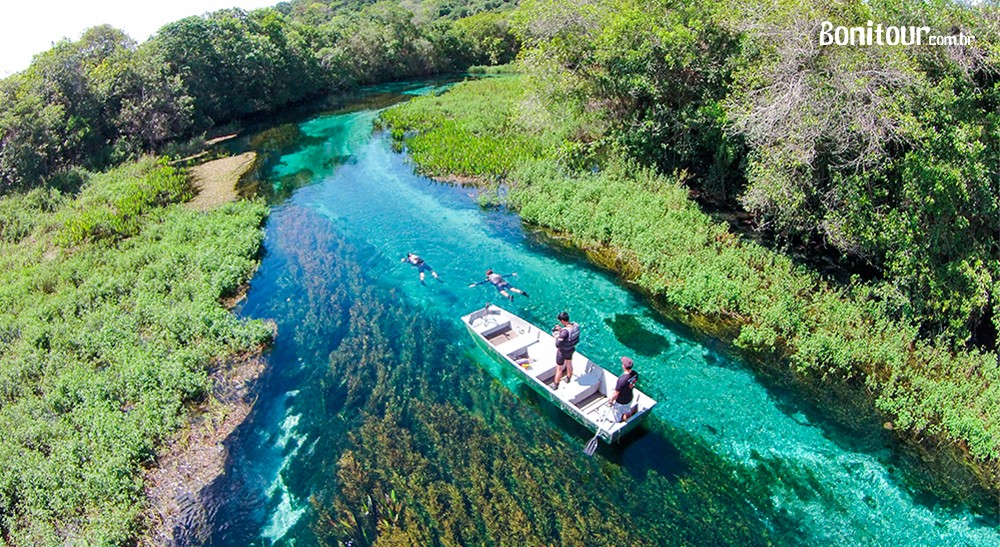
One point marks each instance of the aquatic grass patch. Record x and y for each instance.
(472, 131)
(410, 441)
(644, 224)
(104, 343)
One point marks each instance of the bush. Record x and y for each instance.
(655, 234)
(103, 344)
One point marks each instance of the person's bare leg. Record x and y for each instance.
(569, 371)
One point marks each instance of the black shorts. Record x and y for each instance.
(563, 355)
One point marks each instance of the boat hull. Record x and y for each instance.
(529, 352)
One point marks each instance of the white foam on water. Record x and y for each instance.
(289, 510)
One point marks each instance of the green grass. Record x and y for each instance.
(110, 318)
(772, 308)
(496, 70)
(474, 131)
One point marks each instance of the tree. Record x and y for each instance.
(483, 39)
(884, 153)
(235, 63)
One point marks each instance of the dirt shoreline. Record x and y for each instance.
(216, 180)
(195, 456)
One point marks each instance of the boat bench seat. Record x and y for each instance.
(516, 345)
(488, 329)
(543, 357)
(575, 392)
(596, 408)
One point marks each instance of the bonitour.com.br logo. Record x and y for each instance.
(887, 35)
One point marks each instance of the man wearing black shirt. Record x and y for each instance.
(622, 397)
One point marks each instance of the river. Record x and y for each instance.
(377, 409)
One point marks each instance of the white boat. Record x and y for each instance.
(531, 351)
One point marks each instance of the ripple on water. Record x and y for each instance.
(718, 431)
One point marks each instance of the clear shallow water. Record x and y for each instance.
(365, 352)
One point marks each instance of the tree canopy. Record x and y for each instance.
(94, 102)
(882, 155)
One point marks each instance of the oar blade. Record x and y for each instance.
(591, 446)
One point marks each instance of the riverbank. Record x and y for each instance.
(195, 455)
(111, 324)
(215, 181)
(825, 335)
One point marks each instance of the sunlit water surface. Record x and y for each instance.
(810, 481)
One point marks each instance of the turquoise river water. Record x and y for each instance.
(378, 418)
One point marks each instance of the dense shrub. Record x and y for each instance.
(658, 236)
(102, 343)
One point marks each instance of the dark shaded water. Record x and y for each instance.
(377, 415)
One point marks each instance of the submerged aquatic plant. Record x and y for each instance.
(415, 443)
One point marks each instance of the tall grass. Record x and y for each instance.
(823, 332)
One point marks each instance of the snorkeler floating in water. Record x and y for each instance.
(421, 265)
(501, 284)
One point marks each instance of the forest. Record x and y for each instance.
(95, 102)
(833, 209)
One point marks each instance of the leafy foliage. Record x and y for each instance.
(103, 99)
(644, 224)
(80, 104)
(234, 63)
(111, 205)
(104, 342)
(656, 72)
(886, 153)
(483, 39)
(883, 155)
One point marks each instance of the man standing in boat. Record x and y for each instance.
(421, 265)
(622, 397)
(567, 335)
(501, 284)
